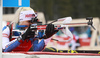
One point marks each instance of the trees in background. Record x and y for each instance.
(54, 9)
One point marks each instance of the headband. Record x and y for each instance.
(26, 15)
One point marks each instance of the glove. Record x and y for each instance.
(50, 30)
(29, 33)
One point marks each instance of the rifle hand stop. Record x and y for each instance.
(90, 22)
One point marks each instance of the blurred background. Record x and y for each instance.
(48, 10)
(54, 9)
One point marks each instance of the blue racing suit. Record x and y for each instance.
(23, 45)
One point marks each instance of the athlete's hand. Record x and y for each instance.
(28, 34)
(50, 30)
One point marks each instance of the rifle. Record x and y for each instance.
(66, 21)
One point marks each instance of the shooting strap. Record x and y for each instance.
(11, 28)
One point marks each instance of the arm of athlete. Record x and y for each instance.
(40, 45)
(10, 45)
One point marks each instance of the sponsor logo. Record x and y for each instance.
(98, 52)
(72, 51)
(29, 15)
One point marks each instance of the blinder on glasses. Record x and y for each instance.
(33, 19)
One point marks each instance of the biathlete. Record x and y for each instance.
(26, 17)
